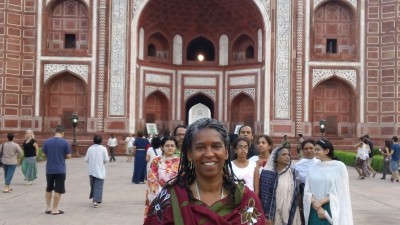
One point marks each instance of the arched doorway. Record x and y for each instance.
(242, 111)
(65, 95)
(199, 99)
(156, 110)
(334, 101)
(198, 111)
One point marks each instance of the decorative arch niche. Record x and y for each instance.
(67, 27)
(158, 46)
(200, 45)
(156, 108)
(335, 27)
(243, 48)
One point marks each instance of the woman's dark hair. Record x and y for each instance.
(268, 139)
(307, 141)
(325, 144)
(186, 172)
(245, 139)
(167, 138)
(156, 142)
(388, 143)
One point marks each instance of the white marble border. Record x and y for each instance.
(320, 75)
(117, 87)
(282, 65)
(352, 2)
(51, 70)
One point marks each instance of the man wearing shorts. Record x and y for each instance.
(56, 149)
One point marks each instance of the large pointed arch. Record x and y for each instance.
(336, 102)
(66, 94)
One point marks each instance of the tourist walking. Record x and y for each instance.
(31, 151)
(326, 194)
(96, 157)
(112, 145)
(10, 152)
(204, 191)
(279, 189)
(129, 147)
(153, 151)
(56, 149)
(362, 157)
(386, 158)
(241, 166)
(140, 146)
(395, 157)
(370, 155)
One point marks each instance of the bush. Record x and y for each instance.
(41, 157)
(349, 159)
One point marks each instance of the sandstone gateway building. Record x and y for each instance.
(279, 65)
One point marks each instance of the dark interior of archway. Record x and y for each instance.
(202, 46)
(199, 98)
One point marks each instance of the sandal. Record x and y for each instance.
(48, 211)
(58, 213)
(7, 191)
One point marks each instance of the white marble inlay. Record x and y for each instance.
(282, 73)
(118, 57)
(86, 1)
(299, 68)
(157, 78)
(53, 69)
(323, 74)
(203, 81)
(209, 92)
(352, 2)
(151, 89)
(101, 63)
(244, 80)
(249, 91)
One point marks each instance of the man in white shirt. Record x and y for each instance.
(112, 145)
(96, 157)
(129, 147)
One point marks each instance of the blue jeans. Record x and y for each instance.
(8, 173)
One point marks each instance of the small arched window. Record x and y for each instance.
(151, 50)
(250, 52)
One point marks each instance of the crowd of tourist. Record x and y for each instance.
(201, 174)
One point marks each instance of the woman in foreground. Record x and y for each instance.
(326, 194)
(204, 191)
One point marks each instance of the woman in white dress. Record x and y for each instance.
(362, 158)
(241, 166)
(326, 194)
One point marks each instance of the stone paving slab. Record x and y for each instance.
(374, 201)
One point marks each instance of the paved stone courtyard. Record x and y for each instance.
(374, 201)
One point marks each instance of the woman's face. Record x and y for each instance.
(169, 148)
(242, 149)
(283, 157)
(308, 151)
(321, 153)
(28, 134)
(263, 145)
(208, 153)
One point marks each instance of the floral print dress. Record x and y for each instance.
(162, 169)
